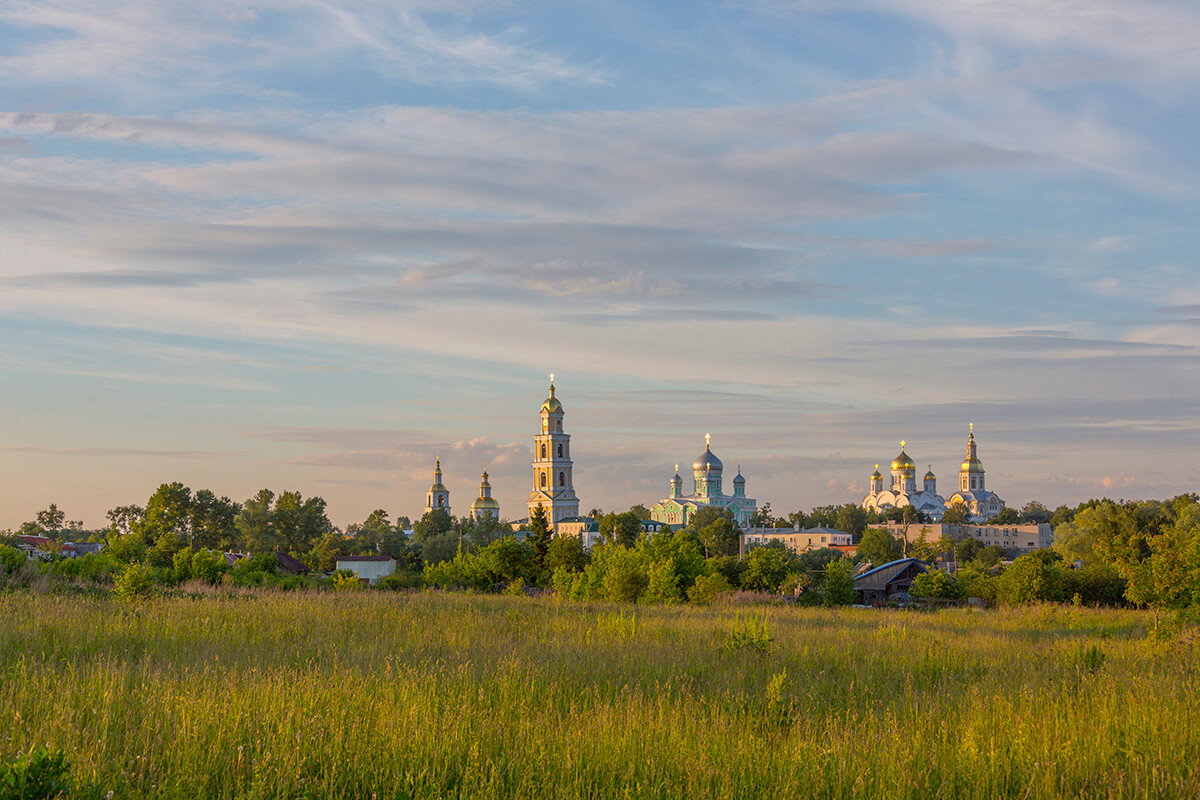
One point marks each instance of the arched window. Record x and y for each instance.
(560, 426)
(562, 479)
(440, 500)
(543, 451)
(560, 450)
(543, 480)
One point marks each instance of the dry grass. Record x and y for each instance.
(429, 695)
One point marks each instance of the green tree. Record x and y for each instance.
(299, 522)
(936, 584)
(565, 552)
(435, 522)
(256, 523)
(878, 546)
(1007, 516)
(762, 517)
(955, 514)
(766, 569)
(621, 529)
(51, 519)
(539, 536)
(1028, 580)
(122, 519)
(212, 522)
(1035, 513)
(839, 584)
(851, 518)
(167, 512)
(640, 511)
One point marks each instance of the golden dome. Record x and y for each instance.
(552, 406)
(902, 461)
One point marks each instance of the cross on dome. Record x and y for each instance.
(707, 439)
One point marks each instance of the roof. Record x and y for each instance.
(350, 559)
(883, 575)
(823, 529)
(290, 564)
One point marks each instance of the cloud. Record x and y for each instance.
(1110, 244)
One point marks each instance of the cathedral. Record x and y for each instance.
(978, 502)
(553, 485)
(706, 472)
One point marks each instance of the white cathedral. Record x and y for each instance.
(979, 503)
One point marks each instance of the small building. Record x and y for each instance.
(796, 539)
(1022, 538)
(888, 582)
(290, 564)
(368, 568)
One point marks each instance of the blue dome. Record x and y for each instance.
(707, 462)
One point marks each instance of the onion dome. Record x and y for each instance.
(677, 481)
(971, 464)
(707, 462)
(437, 477)
(552, 406)
(739, 480)
(902, 461)
(929, 476)
(485, 504)
(875, 474)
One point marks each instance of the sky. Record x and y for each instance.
(315, 245)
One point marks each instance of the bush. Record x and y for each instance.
(41, 774)
(708, 588)
(135, 583)
(937, 584)
(399, 581)
(839, 584)
(344, 580)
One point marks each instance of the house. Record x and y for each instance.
(889, 582)
(290, 564)
(368, 568)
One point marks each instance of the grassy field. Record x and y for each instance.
(365, 695)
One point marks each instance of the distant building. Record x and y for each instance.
(587, 529)
(796, 539)
(553, 483)
(368, 568)
(438, 496)
(889, 582)
(707, 470)
(979, 503)
(484, 507)
(1024, 538)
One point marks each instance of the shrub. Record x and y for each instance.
(839, 584)
(748, 634)
(937, 584)
(41, 774)
(708, 587)
(344, 580)
(11, 559)
(399, 581)
(135, 583)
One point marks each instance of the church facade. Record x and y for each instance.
(553, 481)
(707, 471)
(979, 503)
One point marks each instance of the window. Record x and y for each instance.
(562, 479)
(543, 452)
(560, 455)
(543, 480)
(560, 426)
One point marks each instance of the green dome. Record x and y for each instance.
(972, 465)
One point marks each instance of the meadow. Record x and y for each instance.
(393, 695)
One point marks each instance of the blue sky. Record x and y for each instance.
(312, 245)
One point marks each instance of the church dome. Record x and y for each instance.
(739, 480)
(707, 462)
(929, 476)
(972, 465)
(552, 405)
(902, 461)
(484, 502)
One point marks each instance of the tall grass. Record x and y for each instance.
(430, 695)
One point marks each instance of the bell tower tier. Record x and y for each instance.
(553, 480)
